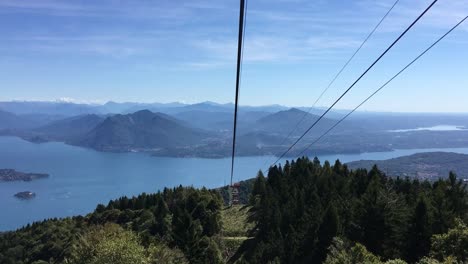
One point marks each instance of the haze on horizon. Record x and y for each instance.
(185, 52)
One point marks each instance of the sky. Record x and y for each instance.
(185, 50)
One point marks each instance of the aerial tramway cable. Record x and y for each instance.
(384, 85)
(306, 113)
(339, 72)
(357, 80)
(240, 46)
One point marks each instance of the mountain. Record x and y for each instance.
(142, 130)
(176, 108)
(333, 114)
(65, 108)
(429, 165)
(153, 107)
(204, 106)
(49, 108)
(219, 121)
(283, 122)
(207, 120)
(12, 121)
(264, 108)
(69, 128)
(117, 108)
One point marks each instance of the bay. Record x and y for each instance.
(81, 178)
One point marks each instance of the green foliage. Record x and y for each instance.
(48, 241)
(339, 254)
(327, 231)
(109, 244)
(235, 221)
(300, 207)
(448, 260)
(419, 233)
(345, 253)
(245, 189)
(161, 253)
(160, 222)
(294, 216)
(451, 244)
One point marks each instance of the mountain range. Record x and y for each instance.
(205, 129)
(74, 109)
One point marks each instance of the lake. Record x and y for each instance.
(81, 178)
(433, 128)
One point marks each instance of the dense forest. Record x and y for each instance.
(303, 208)
(173, 226)
(302, 212)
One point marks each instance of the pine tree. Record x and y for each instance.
(329, 228)
(419, 234)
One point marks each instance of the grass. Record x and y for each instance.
(235, 221)
(235, 228)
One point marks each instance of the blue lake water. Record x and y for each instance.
(81, 178)
(433, 128)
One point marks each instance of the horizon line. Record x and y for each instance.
(182, 103)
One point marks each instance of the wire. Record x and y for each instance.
(306, 113)
(384, 85)
(340, 71)
(239, 63)
(242, 55)
(358, 79)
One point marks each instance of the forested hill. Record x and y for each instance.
(140, 130)
(303, 208)
(303, 212)
(429, 165)
(177, 225)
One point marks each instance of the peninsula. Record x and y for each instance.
(7, 175)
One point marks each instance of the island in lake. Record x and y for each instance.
(25, 195)
(8, 175)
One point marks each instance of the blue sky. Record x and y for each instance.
(164, 51)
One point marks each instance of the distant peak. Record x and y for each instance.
(295, 110)
(143, 112)
(292, 110)
(209, 103)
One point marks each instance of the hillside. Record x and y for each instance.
(303, 212)
(13, 121)
(283, 122)
(10, 121)
(48, 108)
(260, 132)
(207, 119)
(220, 120)
(430, 165)
(142, 130)
(174, 226)
(69, 128)
(303, 207)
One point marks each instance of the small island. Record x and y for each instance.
(7, 175)
(25, 195)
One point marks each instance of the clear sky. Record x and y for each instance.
(185, 50)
